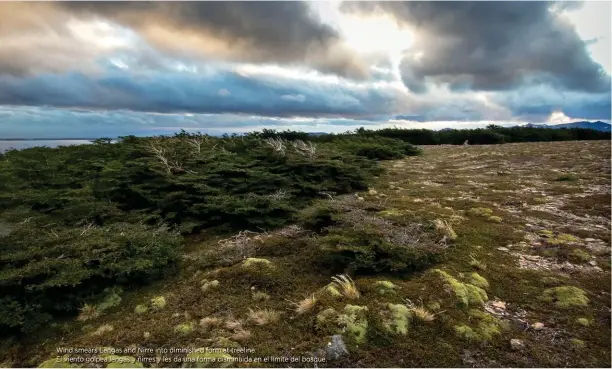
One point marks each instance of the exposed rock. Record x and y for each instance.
(537, 326)
(336, 348)
(517, 344)
(503, 249)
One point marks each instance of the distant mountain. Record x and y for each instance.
(598, 126)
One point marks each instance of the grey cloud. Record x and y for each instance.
(491, 45)
(252, 31)
(220, 91)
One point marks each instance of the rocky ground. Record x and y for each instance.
(524, 281)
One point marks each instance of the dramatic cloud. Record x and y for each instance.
(272, 32)
(491, 45)
(111, 68)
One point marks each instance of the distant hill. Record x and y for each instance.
(598, 126)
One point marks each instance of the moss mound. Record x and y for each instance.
(465, 294)
(396, 318)
(565, 296)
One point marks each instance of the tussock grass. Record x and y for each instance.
(445, 228)
(210, 322)
(346, 286)
(306, 304)
(263, 316)
(422, 314)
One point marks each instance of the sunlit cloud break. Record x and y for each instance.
(86, 69)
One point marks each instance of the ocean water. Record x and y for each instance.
(6, 145)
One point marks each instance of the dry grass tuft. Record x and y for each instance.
(346, 286)
(88, 312)
(233, 324)
(422, 314)
(263, 316)
(241, 335)
(445, 228)
(102, 330)
(210, 322)
(306, 304)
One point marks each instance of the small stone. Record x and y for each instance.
(592, 263)
(499, 305)
(360, 199)
(517, 344)
(336, 349)
(528, 225)
(589, 239)
(372, 192)
(503, 249)
(537, 326)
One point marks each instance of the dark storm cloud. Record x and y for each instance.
(218, 91)
(491, 45)
(285, 33)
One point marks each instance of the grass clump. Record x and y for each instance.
(385, 288)
(141, 309)
(585, 322)
(208, 285)
(158, 302)
(103, 329)
(257, 263)
(495, 219)
(445, 228)
(88, 312)
(579, 256)
(210, 322)
(422, 314)
(263, 316)
(346, 286)
(184, 329)
(477, 264)
(480, 212)
(565, 296)
(577, 344)
(306, 304)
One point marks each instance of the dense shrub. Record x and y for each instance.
(84, 218)
(491, 135)
(53, 270)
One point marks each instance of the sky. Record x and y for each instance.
(108, 69)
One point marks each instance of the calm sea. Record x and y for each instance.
(6, 145)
